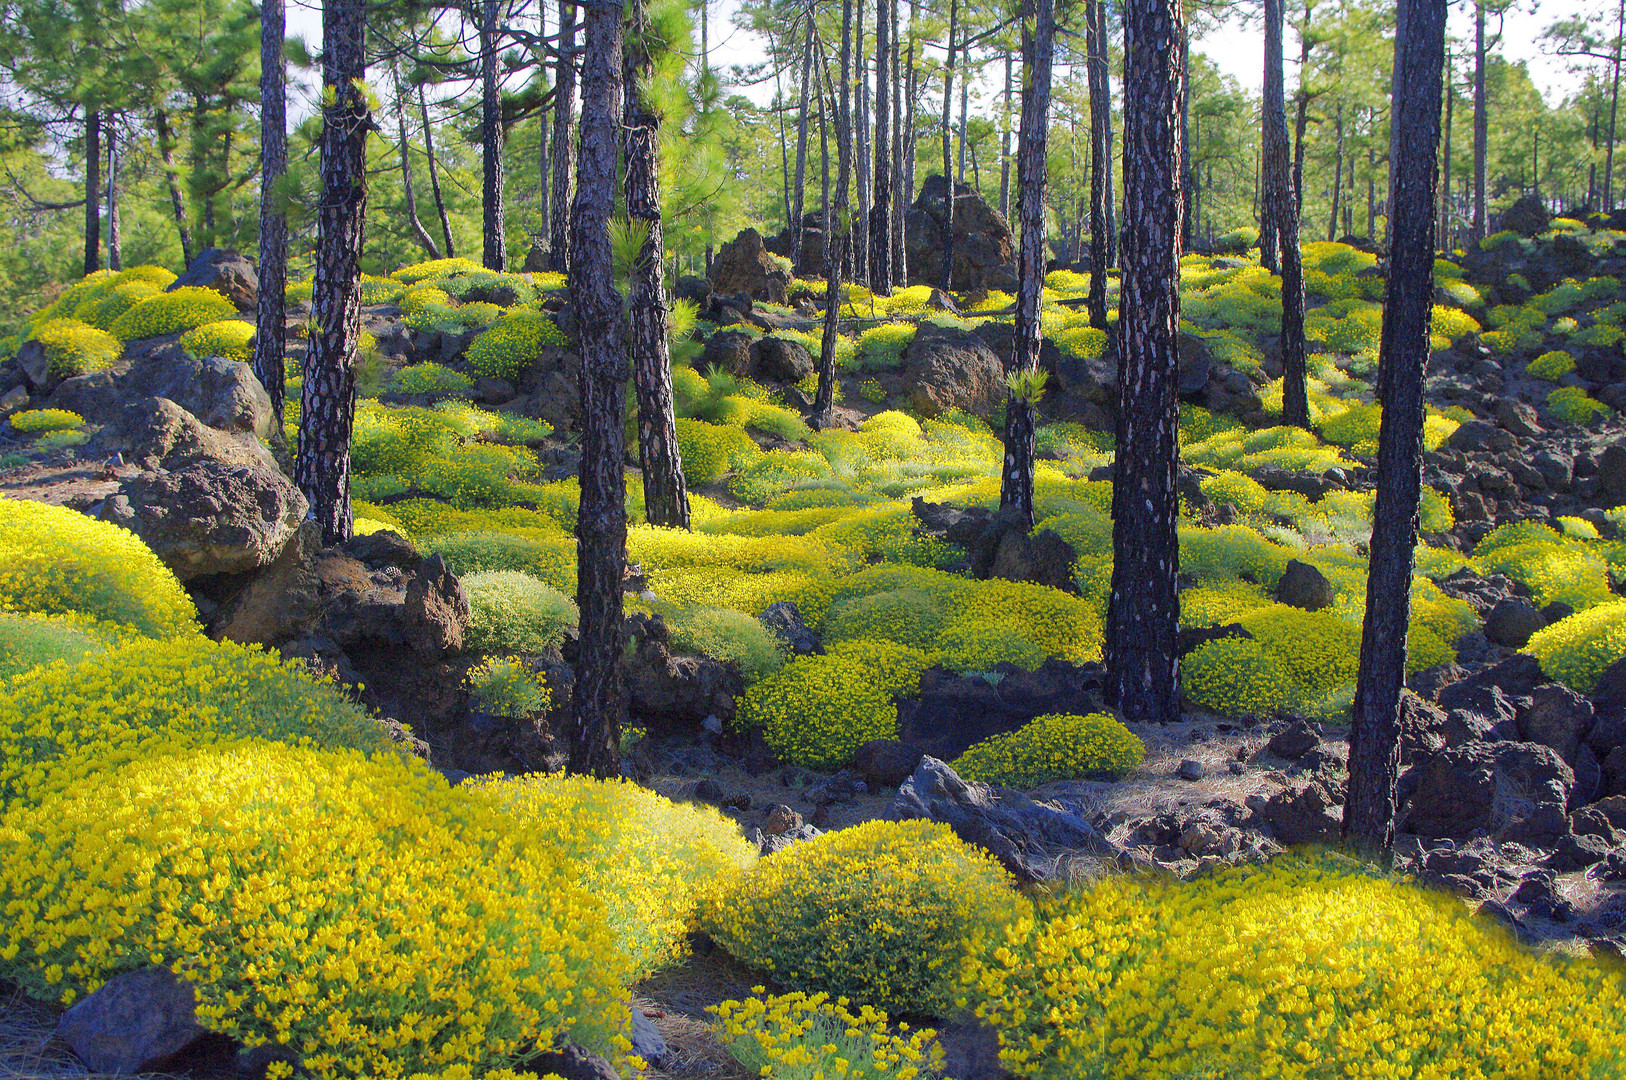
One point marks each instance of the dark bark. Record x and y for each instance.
(564, 152)
(798, 209)
(1444, 237)
(1614, 110)
(1481, 127)
(666, 496)
(1337, 172)
(1111, 201)
(1143, 618)
(493, 216)
(269, 322)
(404, 146)
(1279, 192)
(1038, 48)
(1100, 155)
(880, 213)
(858, 246)
(1005, 146)
(901, 179)
(835, 243)
(911, 143)
(1301, 119)
(434, 175)
(93, 190)
(544, 160)
(1188, 218)
(328, 401)
(844, 139)
(598, 700)
(1374, 753)
(965, 106)
(115, 241)
(177, 203)
(948, 142)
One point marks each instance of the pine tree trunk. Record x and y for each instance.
(1038, 47)
(1143, 620)
(419, 232)
(1481, 127)
(1337, 173)
(328, 402)
(564, 145)
(1100, 154)
(544, 161)
(844, 140)
(1374, 753)
(666, 496)
(1614, 111)
(835, 245)
(434, 175)
(1280, 194)
(965, 105)
(1444, 237)
(880, 213)
(859, 244)
(1111, 201)
(1188, 219)
(493, 212)
(599, 699)
(798, 212)
(948, 142)
(115, 241)
(177, 202)
(269, 321)
(1301, 120)
(1005, 146)
(903, 138)
(93, 190)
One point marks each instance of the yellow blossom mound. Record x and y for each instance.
(792, 1036)
(880, 913)
(1057, 746)
(358, 911)
(56, 561)
(64, 722)
(1308, 969)
(650, 860)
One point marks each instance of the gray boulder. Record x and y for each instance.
(947, 368)
(781, 360)
(222, 393)
(1303, 586)
(227, 273)
(133, 1023)
(1508, 789)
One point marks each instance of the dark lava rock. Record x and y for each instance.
(1295, 741)
(886, 763)
(745, 265)
(953, 711)
(134, 1023)
(1311, 814)
(1190, 770)
(1303, 586)
(1511, 623)
(1514, 789)
(784, 621)
(1528, 216)
(227, 273)
(781, 360)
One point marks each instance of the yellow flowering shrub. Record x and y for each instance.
(542, 553)
(76, 348)
(730, 636)
(67, 721)
(809, 1037)
(1551, 366)
(505, 686)
(1305, 969)
(880, 913)
(651, 861)
(1575, 650)
(43, 421)
(513, 343)
(1235, 677)
(434, 269)
(57, 561)
(1572, 405)
(1056, 746)
(358, 911)
(27, 641)
(231, 338)
(1315, 652)
(711, 451)
(1550, 565)
(101, 310)
(171, 313)
(430, 378)
(510, 611)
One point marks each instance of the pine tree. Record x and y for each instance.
(273, 268)
(1279, 191)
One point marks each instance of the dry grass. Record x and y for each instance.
(676, 1001)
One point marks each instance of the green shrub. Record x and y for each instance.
(171, 313)
(513, 344)
(504, 686)
(1235, 677)
(514, 612)
(880, 913)
(27, 641)
(882, 346)
(45, 421)
(1577, 649)
(730, 636)
(909, 616)
(1056, 746)
(230, 338)
(552, 558)
(430, 378)
(76, 348)
(1572, 405)
(711, 451)
(1551, 366)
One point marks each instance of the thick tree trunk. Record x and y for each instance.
(1188, 217)
(177, 202)
(1481, 127)
(493, 215)
(328, 402)
(798, 210)
(1143, 620)
(1100, 155)
(1038, 47)
(404, 145)
(115, 240)
(666, 496)
(948, 142)
(598, 700)
(93, 190)
(564, 145)
(1107, 140)
(1279, 192)
(1614, 110)
(880, 213)
(434, 174)
(1444, 237)
(1005, 145)
(859, 244)
(1374, 753)
(269, 322)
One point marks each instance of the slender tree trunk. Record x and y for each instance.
(1107, 139)
(1337, 172)
(666, 496)
(1614, 111)
(798, 214)
(1374, 753)
(835, 250)
(1188, 219)
(598, 700)
(1372, 180)
(328, 402)
(948, 140)
(269, 321)
(1280, 193)
(177, 203)
(907, 143)
(965, 106)
(115, 241)
(1100, 155)
(844, 140)
(1143, 620)
(93, 189)
(544, 160)
(1481, 126)
(434, 175)
(859, 245)
(419, 232)
(1038, 46)
(880, 214)
(1005, 146)
(1301, 119)
(493, 212)
(564, 143)
(1270, 232)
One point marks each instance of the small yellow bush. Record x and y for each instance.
(76, 348)
(1575, 650)
(794, 1036)
(230, 338)
(171, 313)
(1551, 366)
(880, 913)
(42, 421)
(1057, 746)
(1572, 405)
(513, 344)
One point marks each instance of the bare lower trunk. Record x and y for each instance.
(434, 175)
(598, 699)
(1107, 139)
(798, 210)
(493, 212)
(328, 401)
(1142, 654)
(1279, 193)
(948, 141)
(1100, 155)
(269, 322)
(93, 190)
(1481, 127)
(1337, 174)
(177, 202)
(858, 245)
(880, 213)
(835, 243)
(564, 149)
(1374, 750)
(419, 233)
(1005, 145)
(115, 241)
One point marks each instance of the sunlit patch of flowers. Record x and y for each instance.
(809, 1037)
(1551, 366)
(44, 421)
(880, 913)
(76, 348)
(355, 910)
(1576, 650)
(504, 686)
(27, 641)
(171, 313)
(514, 612)
(230, 338)
(56, 561)
(1056, 746)
(730, 636)
(1552, 566)
(1305, 969)
(430, 378)
(434, 269)
(513, 343)
(1572, 405)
